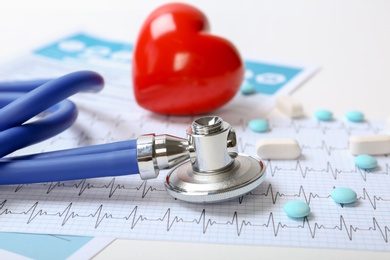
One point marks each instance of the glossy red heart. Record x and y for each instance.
(181, 69)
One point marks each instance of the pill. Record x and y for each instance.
(258, 125)
(343, 195)
(278, 148)
(247, 88)
(369, 144)
(354, 116)
(289, 106)
(366, 162)
(324, 115)
(296, 209)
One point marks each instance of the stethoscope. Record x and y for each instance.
(206, 166)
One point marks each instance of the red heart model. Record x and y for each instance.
(180, 69)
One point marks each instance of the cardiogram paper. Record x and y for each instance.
(127, 207)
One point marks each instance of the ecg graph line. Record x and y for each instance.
(304, 171)
(309, 196)
(84, 185)
(325, 127)
(372, 200)
(328, 149)
(202, 220)
(112, 187)
(301, 193)
(349, 229)
(243, 146)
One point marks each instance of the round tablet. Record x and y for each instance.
(343, 195)
(366, 162)
(296, 209)
(258, 125)
(354, 116)
(247, 88)
(324, 115)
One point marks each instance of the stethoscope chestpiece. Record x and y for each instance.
(215, 171)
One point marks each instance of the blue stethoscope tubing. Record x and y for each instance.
(22, 101)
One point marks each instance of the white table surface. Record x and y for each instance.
(350, 40)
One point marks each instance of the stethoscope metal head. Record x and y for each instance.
(215, 171)
(206, 166)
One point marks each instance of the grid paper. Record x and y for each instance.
(127, 207)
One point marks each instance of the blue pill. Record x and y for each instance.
(354, 116)
(247, 88)
(366, 162)
(324, 115)
(343, 195)
(258, 125)
(296, 209)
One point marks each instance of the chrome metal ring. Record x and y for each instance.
(188, 185)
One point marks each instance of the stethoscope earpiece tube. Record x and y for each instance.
(22, 86)
(47, 95)
(14, 134)
(17, 137)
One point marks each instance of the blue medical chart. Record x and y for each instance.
(84, 47)
(39, 246)
(267, 78)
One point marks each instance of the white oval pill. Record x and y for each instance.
(369, 144)
(289, 106)
(278, 148)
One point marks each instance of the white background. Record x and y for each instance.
(350, 40)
